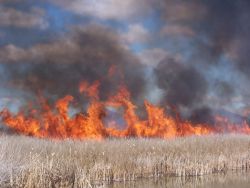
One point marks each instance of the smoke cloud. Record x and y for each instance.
(183, 85)
(216, 31)
(218, 28)
(57, 68)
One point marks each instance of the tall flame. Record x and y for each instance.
(55, 122)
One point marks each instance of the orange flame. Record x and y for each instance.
(55, 122)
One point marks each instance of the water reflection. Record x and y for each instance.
(228, 180)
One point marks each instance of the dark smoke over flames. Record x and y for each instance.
(216, 29)
(220, 29)
(89, 54)
(184, 85)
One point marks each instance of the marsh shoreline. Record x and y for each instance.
(31, 162)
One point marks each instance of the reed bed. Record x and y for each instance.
(30, 162)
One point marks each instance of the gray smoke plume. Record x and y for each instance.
(183, 85)
(217, 29)
(202, 115)
(57, 68)
(214, 23)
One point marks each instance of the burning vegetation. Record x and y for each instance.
(161, 71)
(54, 121)
(204, 67)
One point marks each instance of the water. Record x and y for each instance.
(228, 180)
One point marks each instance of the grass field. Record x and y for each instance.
(30, 162)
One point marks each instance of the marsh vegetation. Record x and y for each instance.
(31, 162)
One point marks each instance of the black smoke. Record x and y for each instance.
(221, 30)
(55, 69)
(202, 115)
(183, 85)
(216, 24)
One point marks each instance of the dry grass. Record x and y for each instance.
(29, 162)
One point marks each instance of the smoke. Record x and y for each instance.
(183, 85)
(215, 30)
(240, 46)
(219, 30)
(202, 115)
(213, 22)
(57, 68)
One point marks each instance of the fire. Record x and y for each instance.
(55, 121)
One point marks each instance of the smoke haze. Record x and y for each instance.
(200, 50)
